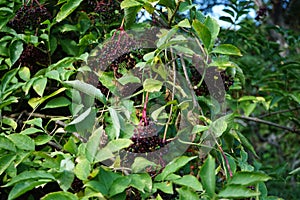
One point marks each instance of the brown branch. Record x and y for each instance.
(279, 112)
(174, 13)
(254, 119)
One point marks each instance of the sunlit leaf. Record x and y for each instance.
(67, 9)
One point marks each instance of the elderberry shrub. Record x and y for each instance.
(33, 57)
(29, 18)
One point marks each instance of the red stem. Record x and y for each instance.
(226, 161)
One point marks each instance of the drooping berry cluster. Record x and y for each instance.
(108, 10)
(33, 58)
(119, 54)
(227, 80)
(211, 83)
(29, 17)
(146, 143)
(146, 139)
(114, 50)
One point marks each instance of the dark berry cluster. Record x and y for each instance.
(113, 51)
(210, 84)
(29, 17)
(33, 57)
(146, 139)
(108, 10)
(119, 54)
(227, 80)
(146, 142)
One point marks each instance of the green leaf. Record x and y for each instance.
(118, 144)
(185, 193)
(24, 73)
(15, 51)
(184, 23)
(36, 121)
(69, 46)
(165, 37)
(53, 74)
(208, 178)
(22, 141)
(155, 114)
(65, 180)
(152, 85)
(103, 154)
(173, 166)
(119, 185)
(214, 29)
(189, 181)
(141, 182)
(6, 161)
(199, 129)
(130, 3)
(7, 144)
(103, 181)
(7, 78)
(166, 187)
(87, 89)
(92, 145)
(246, 143)
(58, 102)
(23, 187)
(219, 126)
(30, 131)
(115, 120)
(128, 78)
(227, 49)
(42, 139)
(248, 178)
(168, 3)
(10, 122)
(26, 175)
(82, 169)
(202, 32)
(81, 117)
(237, 191)
(67, 9)
(226, 19)
(60, 196)
(39, 86)
(140, 164)
(71, 146)
(222, 63)
(130, 15)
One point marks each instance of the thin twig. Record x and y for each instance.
(226, 160)
(44, 116)
(195, 104)
(173, 96)
(254, 119)
(279, 112)
(174, 13)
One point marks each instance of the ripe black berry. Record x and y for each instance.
(29, 17)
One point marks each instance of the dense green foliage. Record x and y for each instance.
(142, 99)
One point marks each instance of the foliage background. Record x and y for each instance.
(41, 155)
